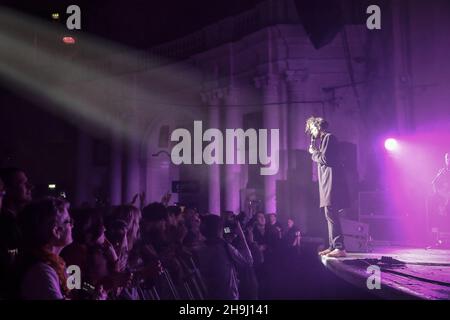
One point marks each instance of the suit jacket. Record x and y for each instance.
(332, 184)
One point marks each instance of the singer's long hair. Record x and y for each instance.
(317, 122)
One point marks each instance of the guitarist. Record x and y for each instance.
(440, 199)
(441, 186)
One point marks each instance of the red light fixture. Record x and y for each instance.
(69, 40)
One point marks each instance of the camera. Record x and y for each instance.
(54, 191)
(229, 222)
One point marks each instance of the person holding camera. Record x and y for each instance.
(292, 237)
(219, 259)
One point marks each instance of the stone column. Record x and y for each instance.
(115, 184)
(272, 116)
(84, 164)
(158, 177)
(134, 133)
(232, 120)
(298, 112)
(212, 100)
(132, 164)
(401, 62)
(300, 176)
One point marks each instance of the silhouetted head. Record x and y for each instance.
(290, 223)
(212, 226)
(272, 218)
(17, 187)
(46, 223)
(260, 219)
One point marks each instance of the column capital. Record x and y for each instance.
(267, 81)
(295, 76)
(212, 96)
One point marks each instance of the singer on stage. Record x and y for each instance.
(332, 186)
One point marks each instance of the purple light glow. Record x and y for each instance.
(391, 144)
(408, 175)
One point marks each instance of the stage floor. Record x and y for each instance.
(424, 273)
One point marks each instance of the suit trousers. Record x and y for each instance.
(335, 236)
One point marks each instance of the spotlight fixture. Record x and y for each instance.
(391, 144)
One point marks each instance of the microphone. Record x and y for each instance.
(313, 140)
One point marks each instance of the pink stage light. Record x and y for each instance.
(391, 144)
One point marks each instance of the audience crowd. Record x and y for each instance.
(49, 250)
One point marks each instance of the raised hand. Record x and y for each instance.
(133, 201)
(142, 199)
(166, 198)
